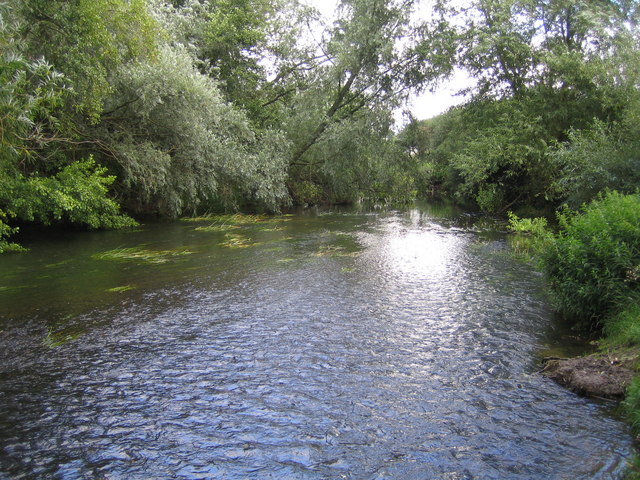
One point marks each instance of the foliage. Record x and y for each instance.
(5, 232)
(306, 192)
(491, 153)
(77, 193)
(373, 56)
(31, 91)
(531, 235)
(179, 146)
(355, 160)
(232, 39)
(87, 39)
(531, 226)
(623, 327)
(596, 159)
(632, 407)
(37, 182)
(551, 114)
(592, 264)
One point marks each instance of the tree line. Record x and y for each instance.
(155, 107)
(553, 112)
(111, 108)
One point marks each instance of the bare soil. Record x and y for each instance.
(597, 375)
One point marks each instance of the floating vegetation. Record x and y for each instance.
(234, 240)
(141, 255)
(196, 219)
(274, 249)
(58, 264)
(217, 228)
(271, 229)
(335, 251)
(340, 244)
(58, 338)
(123, 288)
(226, 222)
(9, 289)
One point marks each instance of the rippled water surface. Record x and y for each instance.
(323, 345)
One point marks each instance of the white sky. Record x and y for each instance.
(423, 106)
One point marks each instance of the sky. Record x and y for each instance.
(425, 105)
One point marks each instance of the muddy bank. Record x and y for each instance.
(596, 375)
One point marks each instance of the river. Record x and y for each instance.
(335, 344)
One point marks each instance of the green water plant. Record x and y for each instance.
(233, 240)
(142, 255)
(120, 289)
(57, 338)
(530, 235)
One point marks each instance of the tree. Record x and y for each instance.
(87, 39)
(37, 182)
(545, 71)
(178, 146)
(241, 43)
(373, 57)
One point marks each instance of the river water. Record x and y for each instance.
(322, 345)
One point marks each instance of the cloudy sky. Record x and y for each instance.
(428, 104)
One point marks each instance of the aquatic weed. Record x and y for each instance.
(238, 241)
(123, 288)
(57, 338)
(141, 255)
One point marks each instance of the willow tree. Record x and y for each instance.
(371, 59)
(175, 135)
(179, 147)
(252, 48)
(86, 40)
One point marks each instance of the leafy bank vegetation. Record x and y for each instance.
(552, 115)
(592, 264)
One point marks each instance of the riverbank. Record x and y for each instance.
(611, 373)
(605, 374)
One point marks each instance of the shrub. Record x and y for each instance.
(593, 264)
(78, 194)
(6, 231)
(530, 236)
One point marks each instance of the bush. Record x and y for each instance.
(6, 231)
(594, 160)
(530, 236)
(77, 194)
(593, 264)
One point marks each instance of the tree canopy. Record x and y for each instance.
(556, 83)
